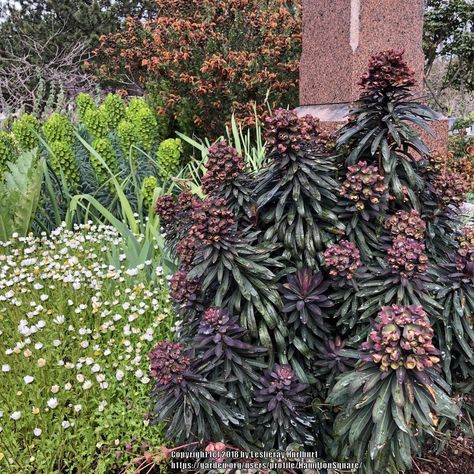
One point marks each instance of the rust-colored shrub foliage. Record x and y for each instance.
(210, 58)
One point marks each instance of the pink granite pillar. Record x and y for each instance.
(339, 36)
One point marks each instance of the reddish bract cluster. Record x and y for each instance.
(407, 258)
(224, 164)
(280, 378)
(451, 187)
(363, 185)
(214, 318)
(401, 337)
(185, 201)
(342, 259)
(169, 361)
(183, 290)
(448, 163)
(465, 257)
(285, 131)
(186, 250)
(406, 224)
(387, 70)
(212, 221)
(168, 208)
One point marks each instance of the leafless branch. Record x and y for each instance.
(21, 74)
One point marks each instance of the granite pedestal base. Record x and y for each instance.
(333, 116)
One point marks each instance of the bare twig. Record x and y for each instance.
(21, 74)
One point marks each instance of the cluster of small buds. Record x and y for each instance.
(465, 256)
(280, 379)
(186, 250)
(213, 319)
(342, 259)
(326, 140)
(224, 164)
(448, 163)
(166, 208)
(406, 256)
(183, 290)
(387, 71)
(212, 220)
(169, 361)
(406, 224)
(285, 131)
(451, 187)
(401, 337)
(185, 201)
(364, 186)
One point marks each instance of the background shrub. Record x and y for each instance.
(213, 58)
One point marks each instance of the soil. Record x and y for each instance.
(458, 458)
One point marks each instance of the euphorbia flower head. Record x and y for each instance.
(406, 257)
(224, 164)
(465, 254)
(406, 224)
(285, 131)
(387, 70)
(342, 259)
(212, 220)
(364, 186)
(183, 290)
(401, 337)
(451, 187)
(169, 361)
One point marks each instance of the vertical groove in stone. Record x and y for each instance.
(355, 24)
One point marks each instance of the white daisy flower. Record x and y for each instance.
(28, 379)
(52, 403)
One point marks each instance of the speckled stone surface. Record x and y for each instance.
(339, 36)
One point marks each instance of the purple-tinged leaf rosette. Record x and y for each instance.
(333, 358)
(279, 410)
(221, 336)
(222, 350)
(305, 299)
